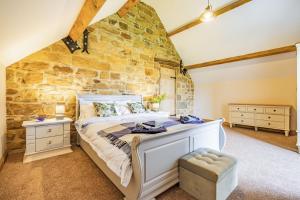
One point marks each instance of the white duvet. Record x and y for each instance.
(114, 158)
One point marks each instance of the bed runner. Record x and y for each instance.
(114, 134)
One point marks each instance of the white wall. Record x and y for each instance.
(36, 24)
(2, 112)
(269, 80)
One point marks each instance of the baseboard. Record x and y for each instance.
(3, 159)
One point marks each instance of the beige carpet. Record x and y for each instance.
(266, 172)
(276, 138)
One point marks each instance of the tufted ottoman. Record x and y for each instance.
(207, 174)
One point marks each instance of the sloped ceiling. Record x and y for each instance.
(28, 26)
(256, 26)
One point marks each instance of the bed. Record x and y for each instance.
(154, 158)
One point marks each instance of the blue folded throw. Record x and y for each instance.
(190, 119)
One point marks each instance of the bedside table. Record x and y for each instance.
(46, 139)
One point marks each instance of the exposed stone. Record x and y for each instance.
(115, 76)
(28, 95)
(182, 105)
(112, 21)
(121, 60)
(23, 109)
(86, 73)
(11, 91)
(166, 62)
(123, 26)
(33, 78)
(66, 70)
(126, 36)
(59, 81)
(100, 86)
(10, 75)
(148, 30)
(33, 66)
(145, 57)
(102, 66)
(148, 72)
(104, 75)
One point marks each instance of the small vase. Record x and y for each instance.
(155, 106)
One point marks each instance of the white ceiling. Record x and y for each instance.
(175, 13)
(28, 26)
(256, 26)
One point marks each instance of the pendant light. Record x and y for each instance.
(208, 14)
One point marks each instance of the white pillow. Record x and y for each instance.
(122, 109)
(87, 111)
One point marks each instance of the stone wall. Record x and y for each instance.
(125, 57)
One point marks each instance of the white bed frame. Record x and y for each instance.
(155, 159)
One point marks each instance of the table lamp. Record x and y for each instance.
(60, 111)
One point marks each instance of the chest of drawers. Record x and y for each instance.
(261, 116)
(46, 139)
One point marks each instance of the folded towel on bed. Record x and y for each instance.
(140, 128)
(150, 123)
(166, 124)
(190, 119)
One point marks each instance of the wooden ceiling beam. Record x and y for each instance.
(259, 54)
(218, 12)
(126, 7)
(88, 11)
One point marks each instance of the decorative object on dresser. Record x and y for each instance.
(46, 139)
(275, 117)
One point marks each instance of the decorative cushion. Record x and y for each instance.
(105, 109)
(87, 111)
(136, 107)
(122, 109)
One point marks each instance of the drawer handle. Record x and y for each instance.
(274, 110)
(242, 115)
(49, 142)
(242, 120)
(238, 108)
(269, 124)
(269, 117)
(254, 109)
(49, 130)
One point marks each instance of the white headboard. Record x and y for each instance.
(90, 98)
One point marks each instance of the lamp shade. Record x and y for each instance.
(60, 111)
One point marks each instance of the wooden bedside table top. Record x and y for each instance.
(46, 122)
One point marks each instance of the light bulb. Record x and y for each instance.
(208, 14)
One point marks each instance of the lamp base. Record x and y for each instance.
(59, 117)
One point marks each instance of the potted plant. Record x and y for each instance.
(155, 101)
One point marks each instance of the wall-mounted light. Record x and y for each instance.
(208, 14)
(182, 69)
